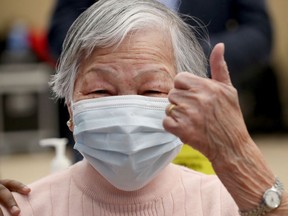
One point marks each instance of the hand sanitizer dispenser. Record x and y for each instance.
(60, 161)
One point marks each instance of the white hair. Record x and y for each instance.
(107, 22)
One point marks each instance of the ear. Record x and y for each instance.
(70, 123)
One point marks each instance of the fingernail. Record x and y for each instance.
(25, 188)
(15, 210)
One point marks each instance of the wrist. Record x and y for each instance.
(271, 200)
(245, 175)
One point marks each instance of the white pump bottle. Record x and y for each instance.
(60, 161)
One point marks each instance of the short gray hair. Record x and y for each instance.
(107, 22)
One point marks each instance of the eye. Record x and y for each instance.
(101, 93)
(154, 93)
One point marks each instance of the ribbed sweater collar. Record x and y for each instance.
(91, 183)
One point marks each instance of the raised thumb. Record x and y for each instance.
(219, 69)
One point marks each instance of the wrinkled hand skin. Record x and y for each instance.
(207, 116)
(8, 186)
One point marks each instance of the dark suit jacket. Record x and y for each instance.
(243, 25)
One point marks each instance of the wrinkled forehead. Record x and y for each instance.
(146, 37)
(139, 48)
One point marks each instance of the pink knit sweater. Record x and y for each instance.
(80, 191)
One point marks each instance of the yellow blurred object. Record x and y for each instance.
(193, 159)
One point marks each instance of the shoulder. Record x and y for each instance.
(214, 195)
(190, 173)
(45, 193)
(207, 183)
(58, 180)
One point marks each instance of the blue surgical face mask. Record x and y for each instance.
(122, 137)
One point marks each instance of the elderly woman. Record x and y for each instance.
(132, 105)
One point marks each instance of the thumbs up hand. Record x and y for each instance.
(205, 113)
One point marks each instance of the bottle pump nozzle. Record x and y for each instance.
(60, 161)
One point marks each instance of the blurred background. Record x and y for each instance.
(28, 114)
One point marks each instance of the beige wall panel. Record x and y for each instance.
(35, 13)
(279, 14)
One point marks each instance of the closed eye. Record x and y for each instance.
(154, 93)
(101, 92)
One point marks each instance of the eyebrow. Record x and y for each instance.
(100, 69)
(109, 70)
(159, 72)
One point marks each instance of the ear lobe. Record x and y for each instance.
(70, 121)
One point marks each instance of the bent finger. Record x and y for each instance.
(15, 186)
(186, 80)
(8, 201)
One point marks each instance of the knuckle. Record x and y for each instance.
(2, 188)
(8, 183)
(6, 196)
(5, 182)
